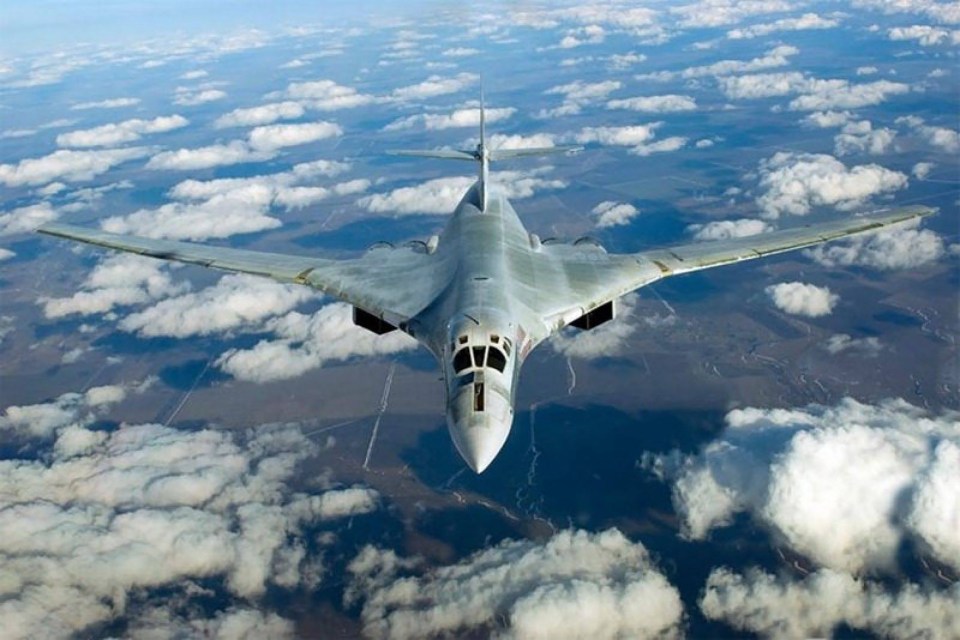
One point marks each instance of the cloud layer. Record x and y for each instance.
(576, 585)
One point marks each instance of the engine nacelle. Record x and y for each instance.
(371, 322)
(595, 318)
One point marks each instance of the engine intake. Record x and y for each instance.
(595, 318)
(370, 322)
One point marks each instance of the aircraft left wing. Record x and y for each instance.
(594, 278)
(393, 284)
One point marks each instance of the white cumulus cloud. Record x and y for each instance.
(101, 516)
(655, 104)
(795, 183)
(235, 303)
(726, 229)
(66, 165)
(576, 584)
(119, 280)
(802, 299)
(305, 342)
(26, 219)
(116, 133)
(815, 606)
(801, 23)
(262, 114)
(469, 117)
(435, 86)
(613, 214)
(791, 470)
(902, 247)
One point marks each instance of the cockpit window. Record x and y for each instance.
(478, 356)
(496, 359)
(495, 339)
(506, 345)
(462, 339)
(461, 360)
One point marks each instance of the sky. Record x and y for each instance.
(768, 449)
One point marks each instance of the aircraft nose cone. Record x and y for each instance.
(478, 442)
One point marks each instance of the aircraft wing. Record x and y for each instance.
(391, 283)
(595, 278)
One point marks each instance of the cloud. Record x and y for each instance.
(191, 97)
(814, 94)
(861, 137)
(779, 56)
(828, 119)
(235, 303)
(802, 299)
(216, 155)
(795, 183)
(227, 206)
(719, 13)
(503, 141)
(655, 104)
(327, 95)
(26, 219)
(459, 52)
(604, 341)
(727, 229)
(577, 95)
(238, 623)
(637, 137)
(902, 247)
(818, 604)
(264, 143)
(790, 470)
(67, 165)
(576, 584)
(621, 136)
(45, 419)
(99, 517)
(922, 169)
(459, 118)
(306, 342)
(277, 136)
(945, 12)
(113, 134)
(925, 35)
(435, 86)
(441, 195)
(591, 34)
(613, 214)
(802, 23)
(942, 137)
(840, 342)
(263, 114)
(6, 254)
(119, 280)
(112, 103)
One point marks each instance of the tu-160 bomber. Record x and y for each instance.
(485, 291)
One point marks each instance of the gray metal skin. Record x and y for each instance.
(485, 276)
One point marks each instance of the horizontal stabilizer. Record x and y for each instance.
(506, 154)
(445, 154)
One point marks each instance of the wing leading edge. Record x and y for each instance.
(393, 284)
(594, 280)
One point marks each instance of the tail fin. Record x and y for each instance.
(482, 154)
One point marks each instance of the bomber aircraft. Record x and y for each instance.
(485, 291)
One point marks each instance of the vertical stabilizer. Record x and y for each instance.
(482, 155)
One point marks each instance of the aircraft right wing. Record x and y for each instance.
(391, 283)
(592, 278)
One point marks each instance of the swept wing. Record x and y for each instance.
(391, 283)
(593, 278)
